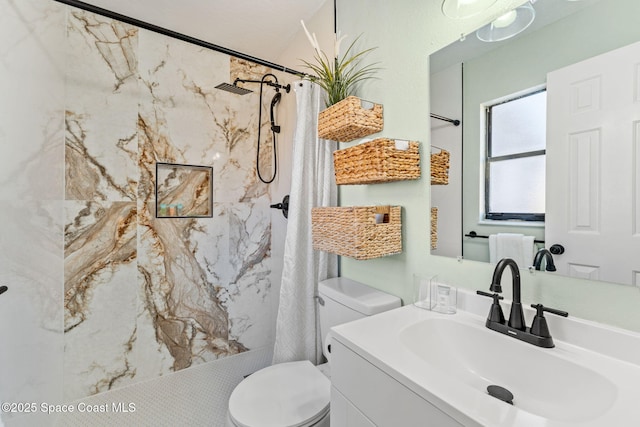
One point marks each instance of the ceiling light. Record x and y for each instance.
(508, 25)
(506, 19)
(458, 9)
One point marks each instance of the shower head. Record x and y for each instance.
(233, 88)
(276, 99)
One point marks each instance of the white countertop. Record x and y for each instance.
(614, 354)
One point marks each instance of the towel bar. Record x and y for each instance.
(473, 234)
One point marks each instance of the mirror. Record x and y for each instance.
(469, 73)
(184, 191)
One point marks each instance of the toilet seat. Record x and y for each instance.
(293, 394)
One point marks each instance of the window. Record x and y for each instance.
(515, 158)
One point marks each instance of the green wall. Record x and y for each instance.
(406, 32)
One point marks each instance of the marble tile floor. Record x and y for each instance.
(194, 397)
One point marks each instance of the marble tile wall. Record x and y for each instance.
(32, 63)
(109, 294)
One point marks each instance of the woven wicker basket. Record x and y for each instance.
(380, 160)
(350, 119)
(353, 231)
(434, 228)
(440, 168)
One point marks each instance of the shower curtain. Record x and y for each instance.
(312, 184)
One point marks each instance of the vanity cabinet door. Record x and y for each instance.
(344, 414)
(379, 397)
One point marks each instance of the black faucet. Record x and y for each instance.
(516, 317)
(538, 334)
(540, 255)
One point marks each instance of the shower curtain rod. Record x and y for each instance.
(173, 34)
(446, 119)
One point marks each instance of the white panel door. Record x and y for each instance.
(593, 166)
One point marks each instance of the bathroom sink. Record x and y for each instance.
(542, 381)
(589, 379)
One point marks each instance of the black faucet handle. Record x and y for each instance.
(490, 295)
(539, 325)
(541, 308)
(495, 314)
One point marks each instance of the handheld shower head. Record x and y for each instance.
(274, 101)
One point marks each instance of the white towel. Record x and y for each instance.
(518, 247)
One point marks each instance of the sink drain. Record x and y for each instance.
(500, 393)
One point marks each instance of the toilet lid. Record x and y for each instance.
(290, 394)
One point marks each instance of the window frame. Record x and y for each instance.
(488, 160)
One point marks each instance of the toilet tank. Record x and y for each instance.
(343, 300)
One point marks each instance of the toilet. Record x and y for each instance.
(297, 394)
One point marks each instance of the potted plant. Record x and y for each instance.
(347, 117)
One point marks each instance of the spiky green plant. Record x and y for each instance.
(339, 77)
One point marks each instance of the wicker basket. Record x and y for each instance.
(440, 168)
(361, 232)
(434, 228)
(350, 119)
(380, 160)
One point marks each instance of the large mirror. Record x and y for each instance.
(470, 76)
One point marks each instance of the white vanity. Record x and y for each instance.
(413, 367)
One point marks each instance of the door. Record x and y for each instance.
(593, 166)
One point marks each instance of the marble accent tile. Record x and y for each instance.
(237, 175)
(177, 104)
(98, 237)
(31, 180)
(246, 70)
(250, 232)
(101, 109)
(100, 296)
(32, 87)
(31, 256)
(248, 295)
(178, 301)
(114, 43)
(211, 247)
(185, 119)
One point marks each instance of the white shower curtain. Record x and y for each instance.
(312, 184)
